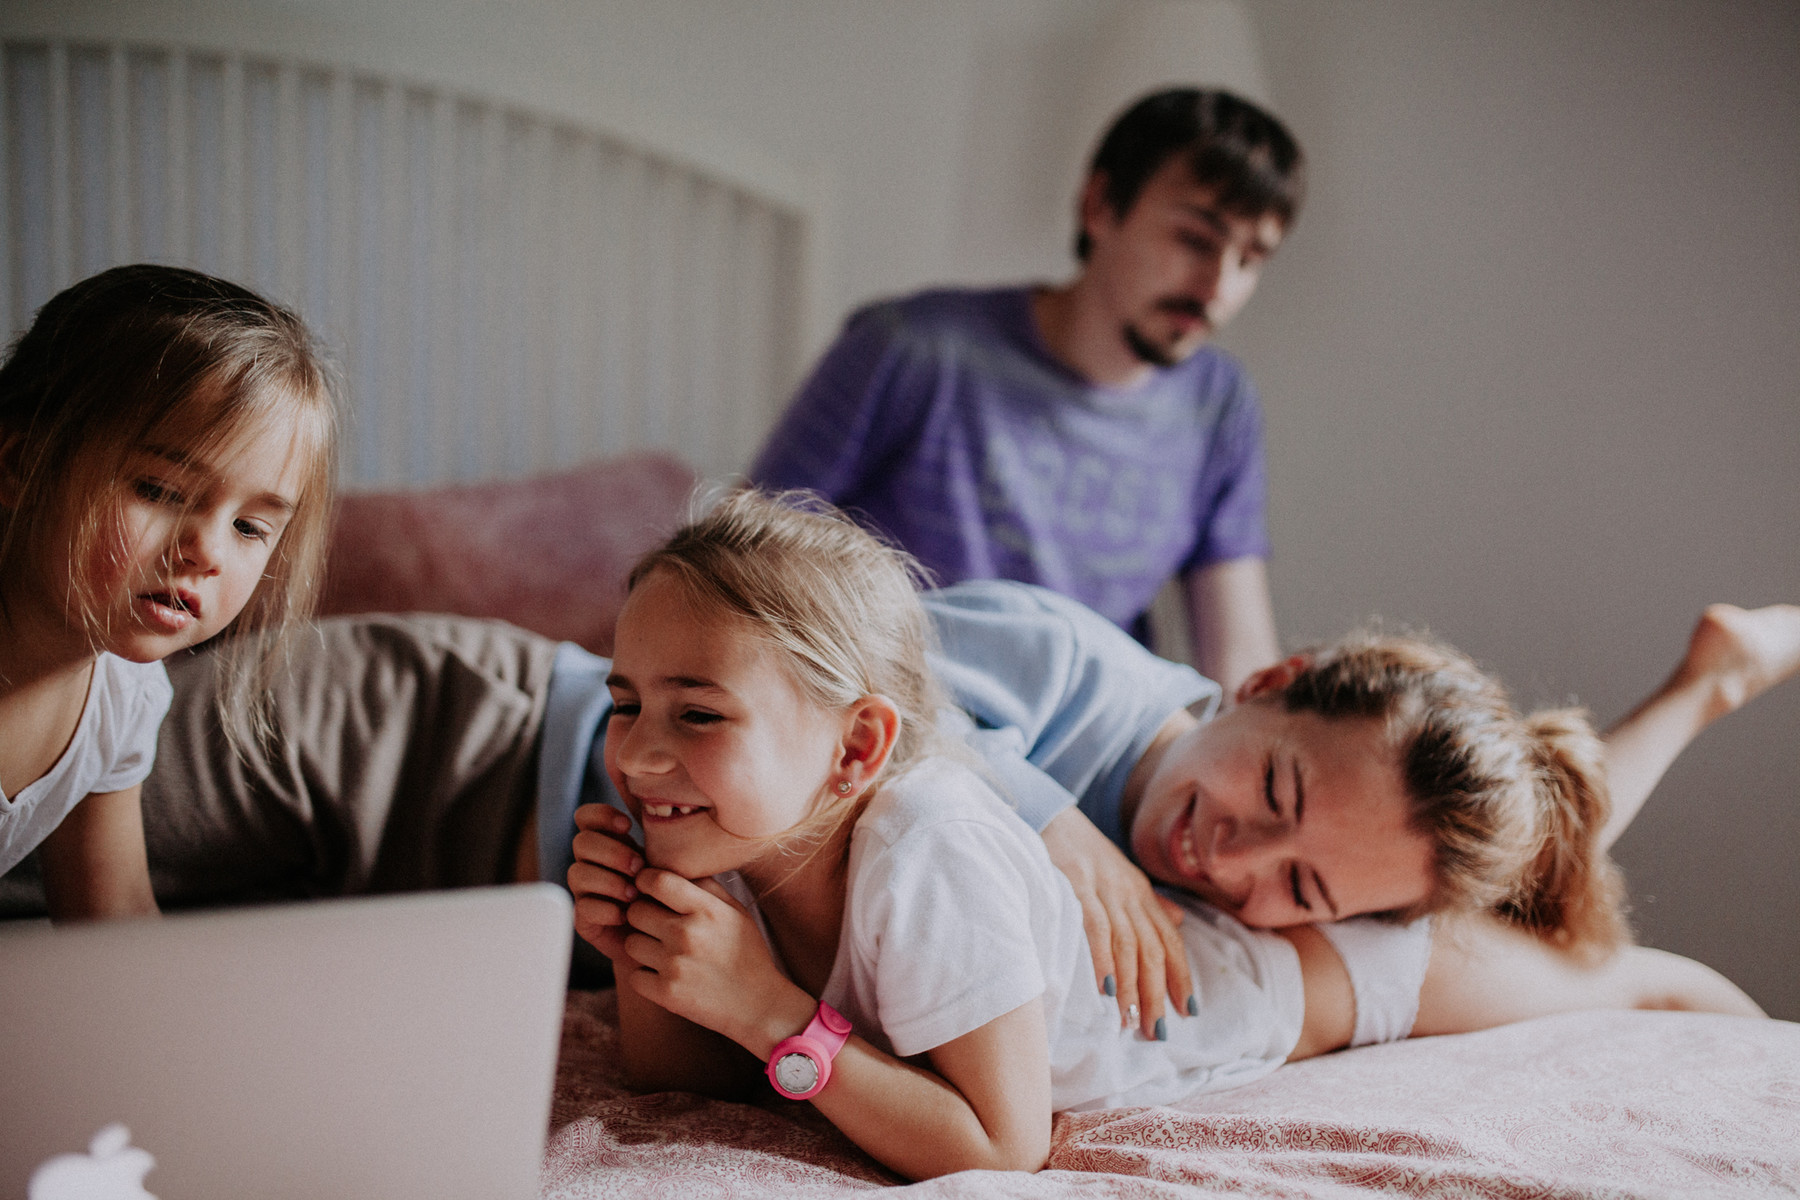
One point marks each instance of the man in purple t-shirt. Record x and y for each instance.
(1083, 437)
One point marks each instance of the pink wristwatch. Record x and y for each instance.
(801, 1065)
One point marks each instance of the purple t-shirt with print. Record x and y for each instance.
(942, 420)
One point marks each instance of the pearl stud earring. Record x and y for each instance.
(843, 787)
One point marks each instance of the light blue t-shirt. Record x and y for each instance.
(1063, 702)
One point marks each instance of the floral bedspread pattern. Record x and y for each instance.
(1586, 1105)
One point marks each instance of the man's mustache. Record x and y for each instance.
(1183, 306)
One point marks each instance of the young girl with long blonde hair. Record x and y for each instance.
(828, 897)
(166, 467)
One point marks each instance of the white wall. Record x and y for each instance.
(1529, 359)
(862, 99)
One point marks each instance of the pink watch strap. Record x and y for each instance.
(829, 1028)
(801, 1065)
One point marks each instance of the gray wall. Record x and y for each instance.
(1532, 370)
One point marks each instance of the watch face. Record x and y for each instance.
(796, 1073)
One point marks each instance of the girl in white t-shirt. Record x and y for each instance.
(827, 896)
(166, 464)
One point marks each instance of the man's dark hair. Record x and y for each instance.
(1249, 159)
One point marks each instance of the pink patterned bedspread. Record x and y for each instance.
(1585, 1105)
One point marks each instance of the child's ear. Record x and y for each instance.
(1273, 679)
(872, 727)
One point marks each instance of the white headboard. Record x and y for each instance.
(508, 291)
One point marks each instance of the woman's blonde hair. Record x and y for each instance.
(840, 607)
(1513, 803)
(147, 355)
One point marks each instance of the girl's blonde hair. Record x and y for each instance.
(1514, 803)
(151, 355)
(841, 607)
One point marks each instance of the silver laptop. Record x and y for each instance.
(367, 1049)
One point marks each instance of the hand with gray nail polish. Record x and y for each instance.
(1133, 933)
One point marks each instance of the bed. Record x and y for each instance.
(1650, 1104)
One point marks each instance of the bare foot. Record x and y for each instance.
(1742, 653)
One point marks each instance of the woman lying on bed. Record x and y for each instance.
(419, 752)
(1382, 775)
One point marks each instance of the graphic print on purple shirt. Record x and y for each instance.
(943, 421)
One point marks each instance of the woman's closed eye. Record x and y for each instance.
(699, 716)
(1294, 883)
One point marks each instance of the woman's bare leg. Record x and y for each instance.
(1734, 655)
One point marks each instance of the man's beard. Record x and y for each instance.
(1166, 355)
(1148, 351)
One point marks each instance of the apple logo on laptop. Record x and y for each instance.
(112, 1169)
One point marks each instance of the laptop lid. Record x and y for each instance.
(384, 1048)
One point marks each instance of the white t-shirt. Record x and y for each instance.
(1387, 964)
(955, 916)
(113, 748)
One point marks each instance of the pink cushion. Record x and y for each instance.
(548, 553)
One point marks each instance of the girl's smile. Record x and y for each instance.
(652, 811)
(711, 742)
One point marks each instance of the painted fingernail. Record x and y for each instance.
(1193, 1005)
(1162, 1029)
(1108, 986)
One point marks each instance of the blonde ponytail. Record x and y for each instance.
(1513, 804)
